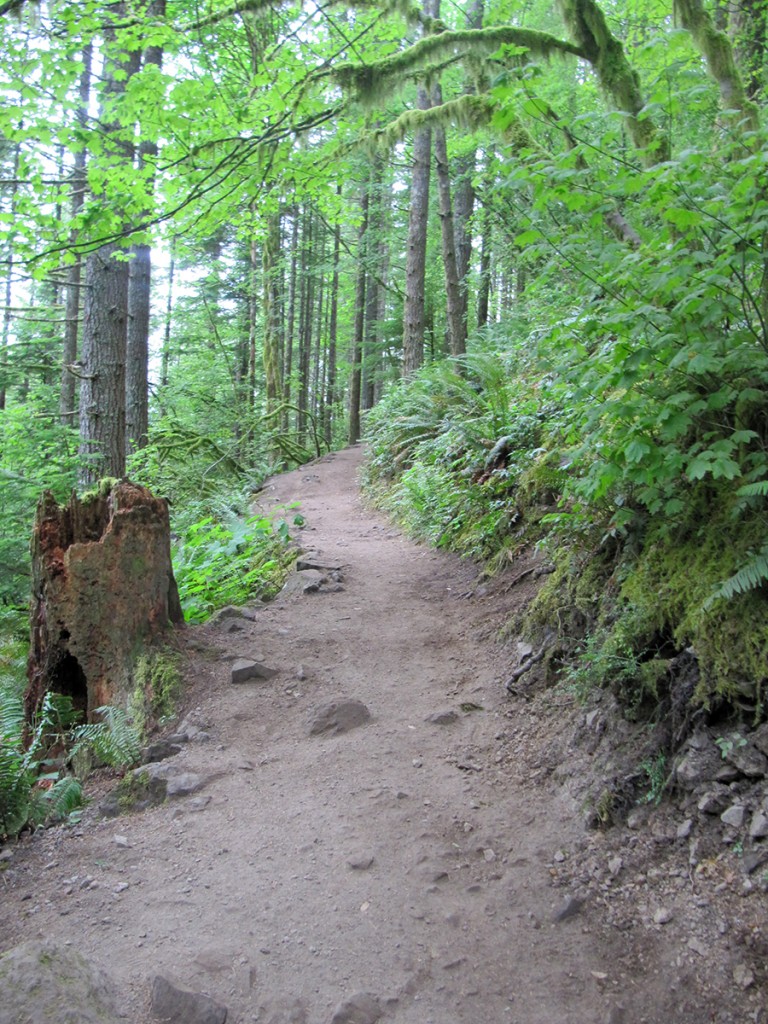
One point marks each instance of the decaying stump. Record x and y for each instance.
(103, 587)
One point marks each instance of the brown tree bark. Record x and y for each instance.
(103, 588)
(356, 354)
(331, 390)
(140, 289)
(457, 339)
(105, 316)
(67, 392)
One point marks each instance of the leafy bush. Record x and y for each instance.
(228, 559)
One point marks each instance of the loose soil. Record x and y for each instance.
(444, 868)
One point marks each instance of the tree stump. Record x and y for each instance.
(103, 588)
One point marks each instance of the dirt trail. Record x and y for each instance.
(400, 858)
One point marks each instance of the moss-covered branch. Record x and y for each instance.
(589, 29)
(374, 81)
(717, 51)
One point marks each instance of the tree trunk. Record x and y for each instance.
(103, 588)
(484, 288)
(457, 339)
(166, 355)
(331, 396)
(102, 388)
(271, 284)
(140, 289)
(291, 319)
(305, 324)
(105, 317)
(6, 331)
(416, 257)
(67, 393)
(359, 329)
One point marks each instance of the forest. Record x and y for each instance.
(519, 246)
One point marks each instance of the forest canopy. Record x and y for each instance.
(524, 242)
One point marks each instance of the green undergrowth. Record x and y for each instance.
(222, 555)
(157, 685)
(480, 457)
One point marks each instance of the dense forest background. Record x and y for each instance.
(523, 245)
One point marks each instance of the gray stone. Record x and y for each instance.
(662, 916)
(159, 751)
(339, 717)
(758, 827)
(754, 859)
(360, 861)
(760, 738)
(182, 785)
(244, 670)
(747, 759)
(361, 1008)
(698, 766)
(734, 815)
(570, 908)
(714, 801)
(43, 982)
(177, 1004)
(442, 718)
(233, 612)
(684, 829)
(166, 781)
(313, 560)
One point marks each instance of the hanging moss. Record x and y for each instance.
(372, 82)
(589, 29)
(467, 112)
(716, 48)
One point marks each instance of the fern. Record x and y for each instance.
(753, 574)
(113, 740)
(759, 489)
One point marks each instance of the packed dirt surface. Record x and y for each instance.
(420, 855)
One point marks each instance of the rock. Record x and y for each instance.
(760, 738)
(153, 783)
(754, 859)
(743, 976)
(662, 916)
(637, 817)
(176, 1004)
(591, 717)
(43, 982)
(684, 829)
(714, 801)
(361, 1008)
(758, 827)
(615, 864)
(442, 718)
(570, 908)
(243, 670)
(339, 717)
(159, 751)
(122, 841)
(182, 784)
(746, 758)
(360, 861)
(314, 584)
(313, 560)
(233, 612)
(734, 815)
(697, 945)
(698, 765)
